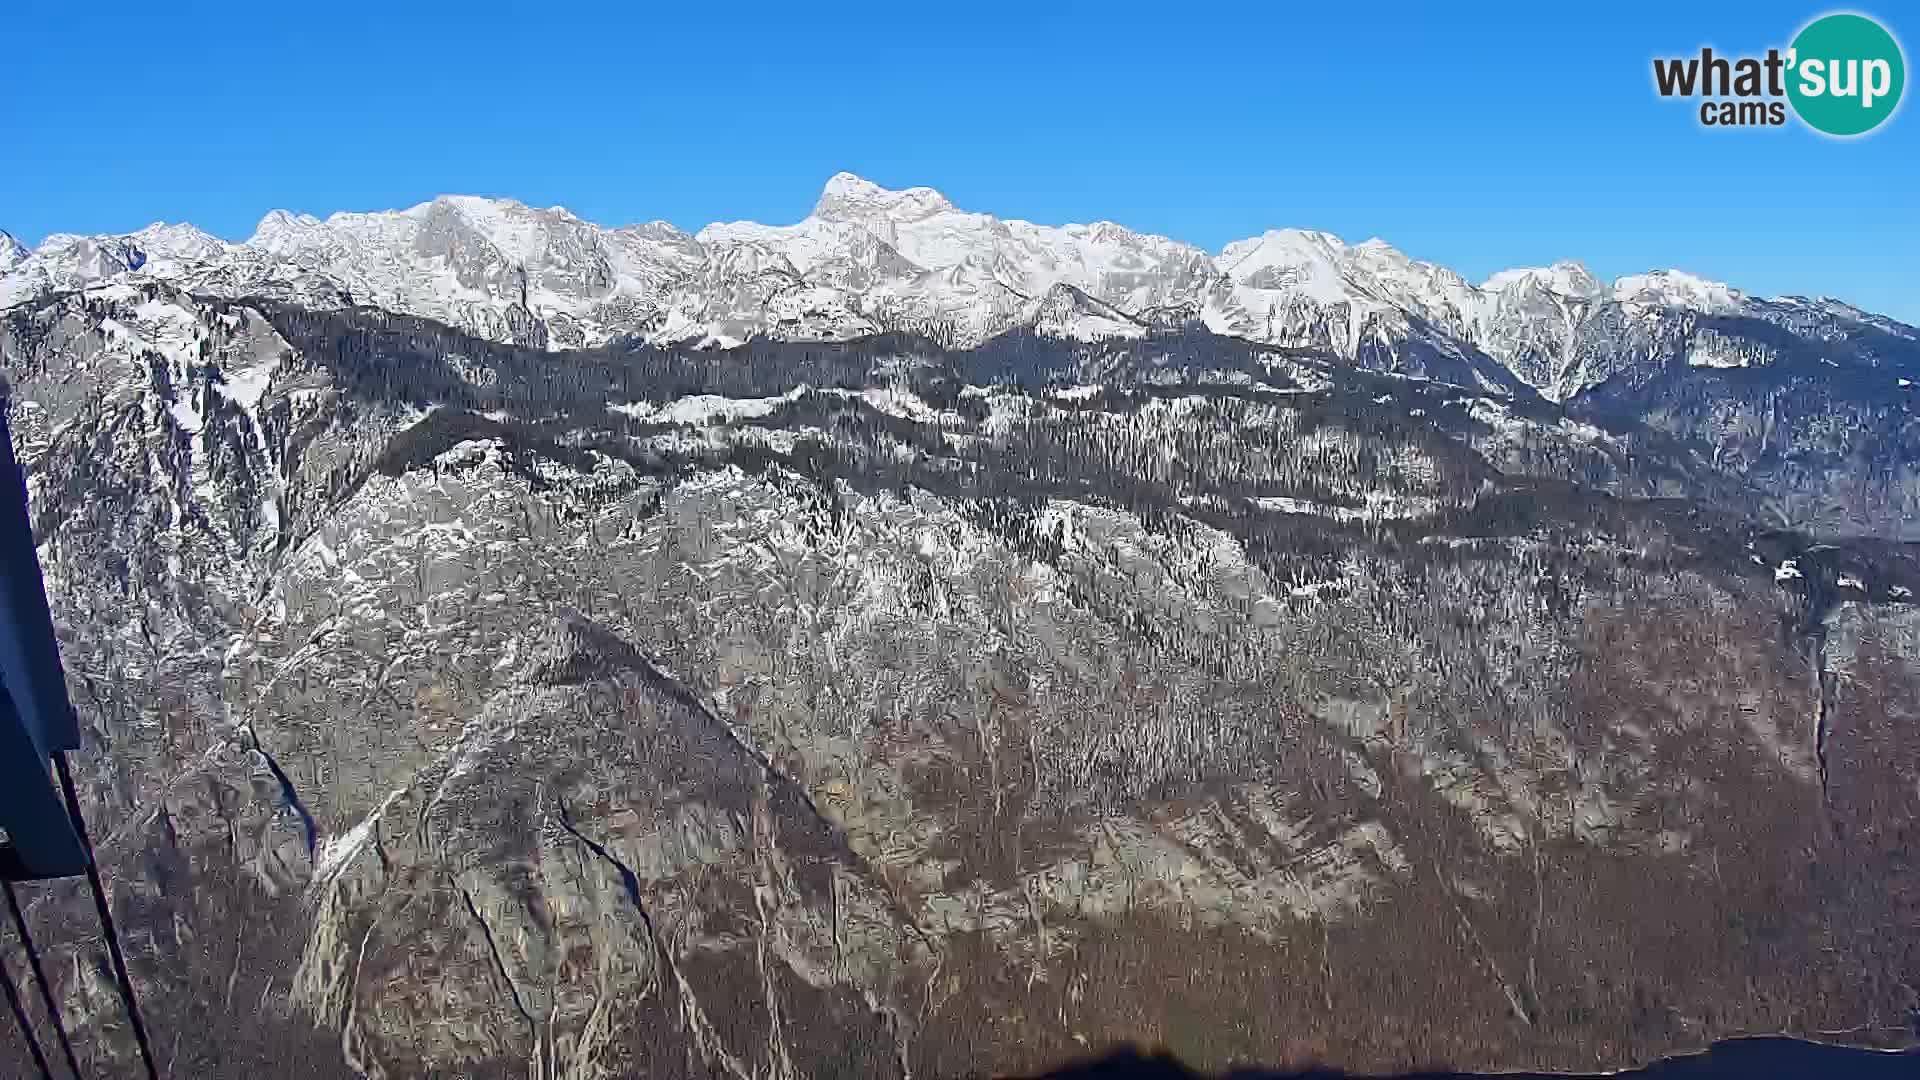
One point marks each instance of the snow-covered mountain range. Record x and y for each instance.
(869, 260)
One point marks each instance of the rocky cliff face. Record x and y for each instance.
(873, 707)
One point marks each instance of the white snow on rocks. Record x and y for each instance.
(867, 259)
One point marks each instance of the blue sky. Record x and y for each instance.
(1512, 136)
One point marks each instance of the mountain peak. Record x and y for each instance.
(1068, 312)
(1566, 277)
(177, 232)
(1298, 243)
(1677, 288)
(280, 229)
(846, 185)
(1298, 259)
(478, 204)
(847, 197)
(12, 252)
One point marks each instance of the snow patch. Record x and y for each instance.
(465, 454)
(246, 387)
(705, 408)
(340, 851)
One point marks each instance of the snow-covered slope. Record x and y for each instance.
(1067, 312)
(869, 259)
(12, 252)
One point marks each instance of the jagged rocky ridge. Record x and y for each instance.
(870, 260)
(875, 707)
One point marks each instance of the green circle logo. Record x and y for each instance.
(1845, 74)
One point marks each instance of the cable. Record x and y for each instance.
(40, 977)
(106, 914)
(26, 1026)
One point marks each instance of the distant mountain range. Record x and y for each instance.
(870, 260)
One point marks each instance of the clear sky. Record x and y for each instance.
(1514, 135)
